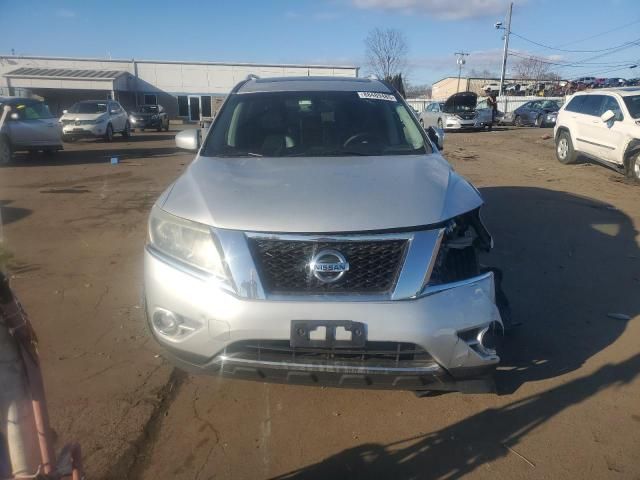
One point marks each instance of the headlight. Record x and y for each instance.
(189, 242)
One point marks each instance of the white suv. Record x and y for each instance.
(95, 118)
(603, 125)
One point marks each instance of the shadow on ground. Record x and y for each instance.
(10, 214)
(568, 262)
(90, 156)
(463, 447)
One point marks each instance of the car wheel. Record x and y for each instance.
(539, 122)
(108, 135)
(159, 127)
(632, 167)
(517, 121)
(440, 125)
(564, 149)
(5, 151)
(166, 127)
(126, 133)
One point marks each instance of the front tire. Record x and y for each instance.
(517, 121)
(539, 121)
(564, 149)
(440, 125)
(5, 151)
(632, 166)
(126, 133)
(166, 127)
(108, 135)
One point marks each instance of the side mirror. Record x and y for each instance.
(64, 112)
(189, 139)
(436, 135)
(607, 116)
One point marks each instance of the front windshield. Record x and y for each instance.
(89, 107)
(148, 109)
(633, 105)
(550, 105)
(315, 124)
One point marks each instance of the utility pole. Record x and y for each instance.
(505, 53)
(460, 61)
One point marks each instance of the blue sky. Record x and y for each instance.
(329, 31)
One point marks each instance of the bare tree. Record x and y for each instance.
(415, 91)
(386, 52)
(534, 68)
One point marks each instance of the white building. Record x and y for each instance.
(188, 90)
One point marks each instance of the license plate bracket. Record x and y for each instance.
(302, 332)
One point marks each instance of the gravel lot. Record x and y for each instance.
(567, 241)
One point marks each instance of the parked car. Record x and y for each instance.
(491, 87)
(586, 81)
(30, 126)
(459, 112)
(95, 119)
(245, 272)
(614, 82)
(149, 116)
(603, 125)
(541, 113)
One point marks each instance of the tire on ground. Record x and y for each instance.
(564, 149)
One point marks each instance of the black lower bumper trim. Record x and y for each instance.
(478, 380)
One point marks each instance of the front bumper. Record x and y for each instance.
(71, 130)
(461, 124)
(137, 123)
(435, 321)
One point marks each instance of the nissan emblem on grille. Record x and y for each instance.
(328, 265)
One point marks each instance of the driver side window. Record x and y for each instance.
(612, 104)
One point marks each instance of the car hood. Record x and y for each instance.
(462, 99)
(82, 116)
(321, 194)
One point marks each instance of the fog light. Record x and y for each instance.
(166, 322)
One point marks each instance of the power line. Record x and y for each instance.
(600, 34)
(570, 64)
(572, 51)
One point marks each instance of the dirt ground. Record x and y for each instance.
(566, 238)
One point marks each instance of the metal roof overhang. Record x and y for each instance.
(66, 78)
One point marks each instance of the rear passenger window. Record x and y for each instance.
(592, 104)
(575, 104)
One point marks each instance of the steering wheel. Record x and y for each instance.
(358, 136)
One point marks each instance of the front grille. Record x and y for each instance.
(374, 266)
(467, 115)
(378, 354)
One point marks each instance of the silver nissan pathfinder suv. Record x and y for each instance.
(319, 237)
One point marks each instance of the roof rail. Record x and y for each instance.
(253, 76)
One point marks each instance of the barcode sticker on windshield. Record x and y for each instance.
(377, 96)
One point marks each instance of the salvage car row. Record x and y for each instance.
(30, 126)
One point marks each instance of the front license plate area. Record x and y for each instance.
(327, 334)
